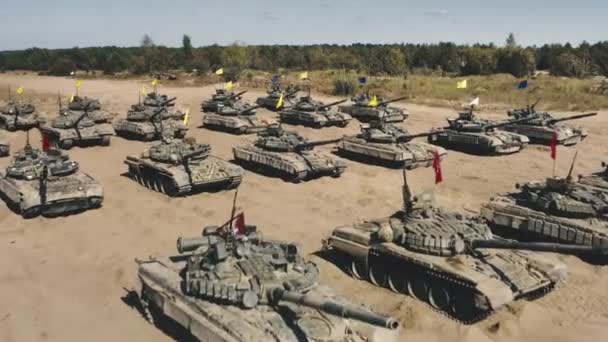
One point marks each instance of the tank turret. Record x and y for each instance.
(276, 139)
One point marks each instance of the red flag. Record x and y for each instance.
(437, 168)
(238, 224)
(554, 146)
(46, 142)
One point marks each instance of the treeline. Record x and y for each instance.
(371, 59)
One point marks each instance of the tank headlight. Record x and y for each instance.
(174, 158)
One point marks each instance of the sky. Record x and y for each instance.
(82, 23)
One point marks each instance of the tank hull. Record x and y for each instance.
(365, 114)
(98, 134)
(23, 122)
(173, 180)
(291, 166)
(596, 180)
(411, 155)
(147, 131)
(160, 292)
(538, 134)
(494, 142)
(504, 214)
(5, 148)
(65, 195)
(314, 119)
(233, 124)
(268, 103)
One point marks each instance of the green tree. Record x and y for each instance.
(510, 42)
(568, 64)
(187, 47)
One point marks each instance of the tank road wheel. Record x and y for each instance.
(440, 297)
(418, 288)
(160, 186)
(357, 270)
(397, 281)
(66, 144)
(377, 275)
(30, 212)
(170, 188)
(149, 137)
(464, 307)
(105, 140)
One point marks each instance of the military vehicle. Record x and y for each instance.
(271, 101)
(154, 99)
(47, 183)
(308, 112)
(383, 143)
(543, 126)
(231, 285)
(16, 116)
(178, 167)
(362, 111)
(469, 134)
(94, 111)
(76, 128)
(5, 146)
(288, 155)
(557, 209)
(150, 123)
(234, 118)
(220, 97)
(447, 259)
(597, 179)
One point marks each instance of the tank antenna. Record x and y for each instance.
(572, 166)
(233, 212)
(27, 138)
(407, 196)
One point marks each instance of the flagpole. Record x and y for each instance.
(554, 159)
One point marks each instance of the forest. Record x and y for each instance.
(447, 59)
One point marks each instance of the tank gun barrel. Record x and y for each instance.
(510, 122)
(249, 109)
(409, 137)
(190, 244)
(539, 247)
(572, 117)
(318, 143)
(334, 308)
(332, 104)
(383, 103)
(162, 107)
(234, 96)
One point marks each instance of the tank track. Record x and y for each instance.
(409, 165)
(272, 172)
(220, 128)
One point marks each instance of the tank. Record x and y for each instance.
(447, 259)
(541, 129)
(154, 99)
(220, 97)
(385, 144)
(362, 111)
(288, 155)
(469, 134)
(556, 209)
(312, 113)
(75, 128)
(597, 179)
(15, 116)
(47, 183)
(151, 123)
(94, 111)
(178, 167)
(5, 146)
(234, 118)
(231, 285)
(274, 94)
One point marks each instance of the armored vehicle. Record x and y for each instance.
(16, 116)
(597, 179)
(271, 101)
(543, 126)
(234, 118)
(361, 110)
(93, 107)
(447, 259)
(230, 285)
(177, 167)
(76, 128)
(308, 112)
(5, 146)
(154, 99)
(558, 209)
(469, 134)
(47, 183)
(220, 97)
(288, 155)
(383, 143)
(150, 123)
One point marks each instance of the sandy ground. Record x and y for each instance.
(62, 279)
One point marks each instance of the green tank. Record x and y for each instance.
(271, 101)
(94, 111)
(15, 116)
(5, 146)
(231, 285)
(597, 179)
(309, 112)
(152, 123)
(178, 167)
(220, 97)
(362, 111)
(234, 117)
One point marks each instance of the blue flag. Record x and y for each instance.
(276, 78)
(362, 80)
(523, 84)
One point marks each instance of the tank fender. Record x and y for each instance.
(497, 293)
(354, 250)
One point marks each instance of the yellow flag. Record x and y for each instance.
(187, 116)
(280, 102)
(304, 75)
(144, 92)
(219, 71)
(154, 82)
(20, 90)
(373, 102)
(462, 84)
(72, 98)
(229, 85)
(78, 83)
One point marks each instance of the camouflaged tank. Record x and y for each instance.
(94, 111)
(469, 134)
(177, 167)
(362, 111)
(383, 143)
(220, 97)
(75, 128)
(48, 183)
(557, 209)
(446, 259)
(598, 179)
(154, 99)
(288, 155)
(16, 116)
(542, 128)
(230, 285)
(272, 100)
(151, 123)
(5, 146)
(309, 112)
(234, 117)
